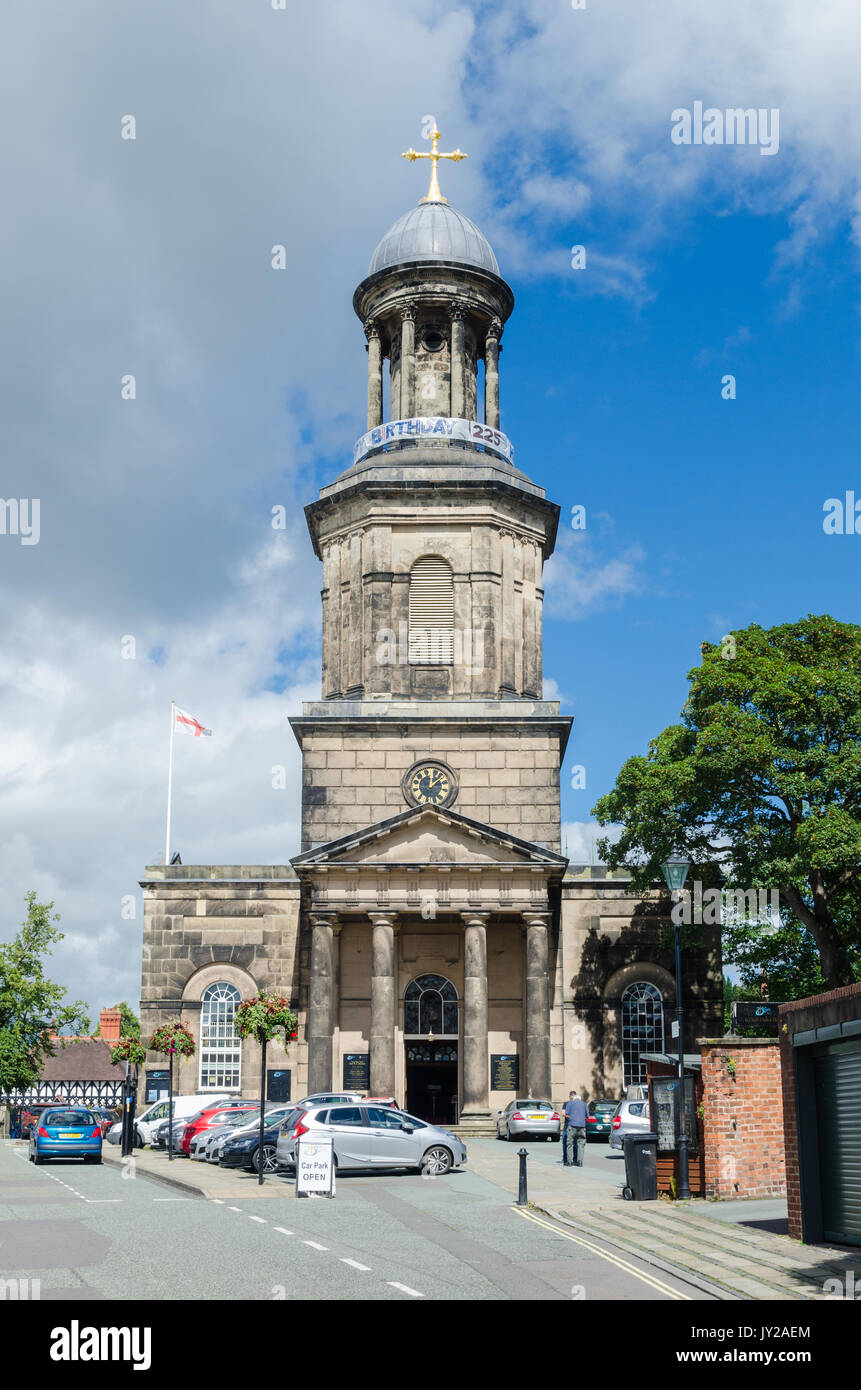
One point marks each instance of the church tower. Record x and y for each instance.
(430, 934)
(431, 814)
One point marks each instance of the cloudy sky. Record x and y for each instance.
(256, 126)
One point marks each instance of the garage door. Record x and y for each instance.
(837, 1076)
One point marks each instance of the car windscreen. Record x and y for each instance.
(68, 1119)
(534, 1105)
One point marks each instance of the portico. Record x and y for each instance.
(430, 893)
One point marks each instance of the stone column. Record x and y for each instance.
(475, 1101)
(491, 374)
(319, 1030)
(408, 361)
(458, 364)
(351, 632)
(383, 1004)
(537, 1030)
(375, 374)
(507, 685)
(336, 1001)
(332, 621)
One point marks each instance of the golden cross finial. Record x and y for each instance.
(434, 155)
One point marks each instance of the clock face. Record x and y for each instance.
(430, 784)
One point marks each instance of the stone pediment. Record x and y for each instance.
(429, 836)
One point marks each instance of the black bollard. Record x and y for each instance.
(521, 1187)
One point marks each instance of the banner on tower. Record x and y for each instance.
(434, 427)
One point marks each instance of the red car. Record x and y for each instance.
(209, 1119)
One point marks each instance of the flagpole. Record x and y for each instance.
(169, 784)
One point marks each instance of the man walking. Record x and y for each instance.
(574, 1137)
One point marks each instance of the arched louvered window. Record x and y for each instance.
(430, 1006)
(642, 1029)
(431, 612)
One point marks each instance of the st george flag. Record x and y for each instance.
(187, 724)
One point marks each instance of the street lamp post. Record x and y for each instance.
(675, 871)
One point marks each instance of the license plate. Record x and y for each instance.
(537, 1117)
(71, 1136)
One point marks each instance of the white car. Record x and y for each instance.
(631, 1117)
(214, 1142)
(148, 1121)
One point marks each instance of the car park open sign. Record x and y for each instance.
(315, 1167)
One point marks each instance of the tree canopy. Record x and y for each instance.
(31, 1006)
(760, 784)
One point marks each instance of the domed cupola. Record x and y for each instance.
(433, 303)
(434, 232)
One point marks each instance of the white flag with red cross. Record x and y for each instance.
(187, 724)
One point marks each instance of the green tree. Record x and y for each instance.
(31, 1006)
(761, 783)
(130, 1027)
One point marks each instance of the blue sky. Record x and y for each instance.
(256, 128)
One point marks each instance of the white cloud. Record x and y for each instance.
(581, 578)
(580, 839)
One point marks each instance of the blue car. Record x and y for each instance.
(66, 1132)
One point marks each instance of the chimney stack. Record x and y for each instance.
(110, 1025)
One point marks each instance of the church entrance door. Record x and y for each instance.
(431, 1082)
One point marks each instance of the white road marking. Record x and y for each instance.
(314, 1245)
(354, 1264)
(234, 1208)
(171, 1199)
(218, 1201)
(281, 1231)
(404, 1288)
(261, 1219)
(106, 1201)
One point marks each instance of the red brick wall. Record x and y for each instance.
(799, 1016)
(743, 1118)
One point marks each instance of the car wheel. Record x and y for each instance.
(436, 1161)
(37, 1158)
(138, 1139)
(512, 1138)
(270, 1159)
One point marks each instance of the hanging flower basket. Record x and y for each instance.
(265, 1017)
(129, 1050)
(172, 1040)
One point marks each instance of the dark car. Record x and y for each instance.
(599, 1118)
(242, 1150)
(106, 1117)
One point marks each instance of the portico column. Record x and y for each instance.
(458, 365)
(476, 1096)
(336, 1001)
(382, 1004)
(408, 361)
(375, 375)
(537, 1005)
(491, 375)
(320, 1003)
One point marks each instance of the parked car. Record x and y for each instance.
(599, 1118)
(212, 1141)
(178, 1125)
(335, 1098)
(31, 1114)
(183, 1108)
(631, 1117)
(211, 1117)
(66, 1132)
(106, 1117)
(242, 1150)
(381, 1100)
(373, 1136)
(523, 1118)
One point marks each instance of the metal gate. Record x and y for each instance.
(837, 1080)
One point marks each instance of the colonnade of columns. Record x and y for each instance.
(324, 997)
(404, 408)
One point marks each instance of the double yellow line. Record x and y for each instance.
(649, 1279)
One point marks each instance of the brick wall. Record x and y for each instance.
(743, 1118)
(800, 1016)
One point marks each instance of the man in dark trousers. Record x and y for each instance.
(574, 1138)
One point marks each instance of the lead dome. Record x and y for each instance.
(434, 232)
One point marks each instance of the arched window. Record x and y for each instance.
(431, 640)
(220, 1048)
(642, 1029)
(430, 1006)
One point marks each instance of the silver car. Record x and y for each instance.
(373, 1136)
(524, 1118)
(631, 1117)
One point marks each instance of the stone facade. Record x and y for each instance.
(439, 949)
